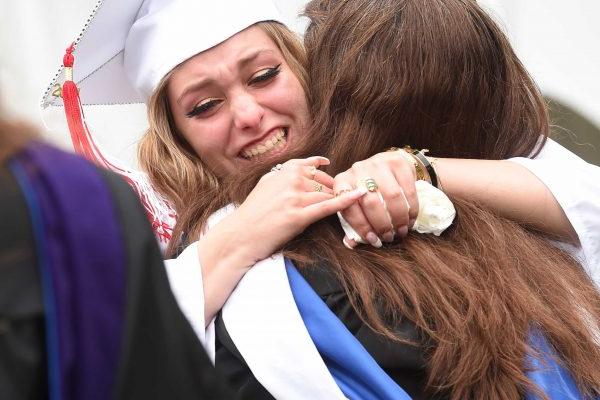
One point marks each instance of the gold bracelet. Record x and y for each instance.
(433, 161)
(427, 163)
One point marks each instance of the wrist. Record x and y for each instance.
(222, 246)
(423, 166)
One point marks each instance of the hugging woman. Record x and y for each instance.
(229, 98)
(455, 316)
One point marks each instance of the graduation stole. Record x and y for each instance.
(354, 370)
(81, 259)
(360, 377)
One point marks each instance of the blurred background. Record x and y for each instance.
(556, 40)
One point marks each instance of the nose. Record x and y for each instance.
(247, 112)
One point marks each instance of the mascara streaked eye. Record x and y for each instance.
(203, 107)
(265, 75)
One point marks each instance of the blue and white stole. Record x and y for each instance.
(359, 376)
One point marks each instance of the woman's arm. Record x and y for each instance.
(505, 187)
(557, 193)
(280, 207)
(276, 211)
(509, 189)
(575, 184)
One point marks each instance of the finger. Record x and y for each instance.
(376, 213)
(324, 179)
(355, 217)
(395, 202)
(320, 210)
(316, 161)
(349, 243)
(407, 183)
(374, 205)
(314, 186)
(398, 209)
(317, 175)
(344, 182)
(310, 198)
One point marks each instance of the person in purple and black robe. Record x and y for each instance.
(86, 311)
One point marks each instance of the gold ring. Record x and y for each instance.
(342, 191)
(370, 184)
(318, 187)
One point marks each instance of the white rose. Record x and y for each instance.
(436, 213)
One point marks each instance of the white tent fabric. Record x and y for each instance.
(558, 43)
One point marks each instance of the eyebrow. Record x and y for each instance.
(242, 62)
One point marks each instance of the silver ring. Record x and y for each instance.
(277, 167)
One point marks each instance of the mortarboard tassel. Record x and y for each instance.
(70, 96)
(160, 213)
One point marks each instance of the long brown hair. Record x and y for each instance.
(440, 74)
(172, 165)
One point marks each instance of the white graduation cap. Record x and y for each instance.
(127, 46)
(124, 50)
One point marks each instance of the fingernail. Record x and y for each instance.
(403, 231)
(355, 194)
(411, 222)
(388, 236)
(350, 244)
(374, 240)
(362, 190)
(324, 160)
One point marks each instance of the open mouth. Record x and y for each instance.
(271, 145)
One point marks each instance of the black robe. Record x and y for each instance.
(405, 364)
(161, 356)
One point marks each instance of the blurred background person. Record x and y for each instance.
(86, 311)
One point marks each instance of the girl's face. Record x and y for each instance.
(238, 102)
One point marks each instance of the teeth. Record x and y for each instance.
(273, 142)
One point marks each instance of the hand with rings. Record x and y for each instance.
(285, 201)
(390, 205)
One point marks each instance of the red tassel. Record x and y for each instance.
(159, 211)
(73, 111)
(68, 59)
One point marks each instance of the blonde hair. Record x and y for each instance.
(173, 167)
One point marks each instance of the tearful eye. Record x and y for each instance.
(265, 75)
(203, 107)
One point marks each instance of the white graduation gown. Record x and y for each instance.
(575, 184)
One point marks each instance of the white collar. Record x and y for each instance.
(263, 321)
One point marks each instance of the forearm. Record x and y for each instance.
(224, 263)
(509, 189)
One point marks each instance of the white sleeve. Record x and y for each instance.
(185, 278)
(576, 186)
